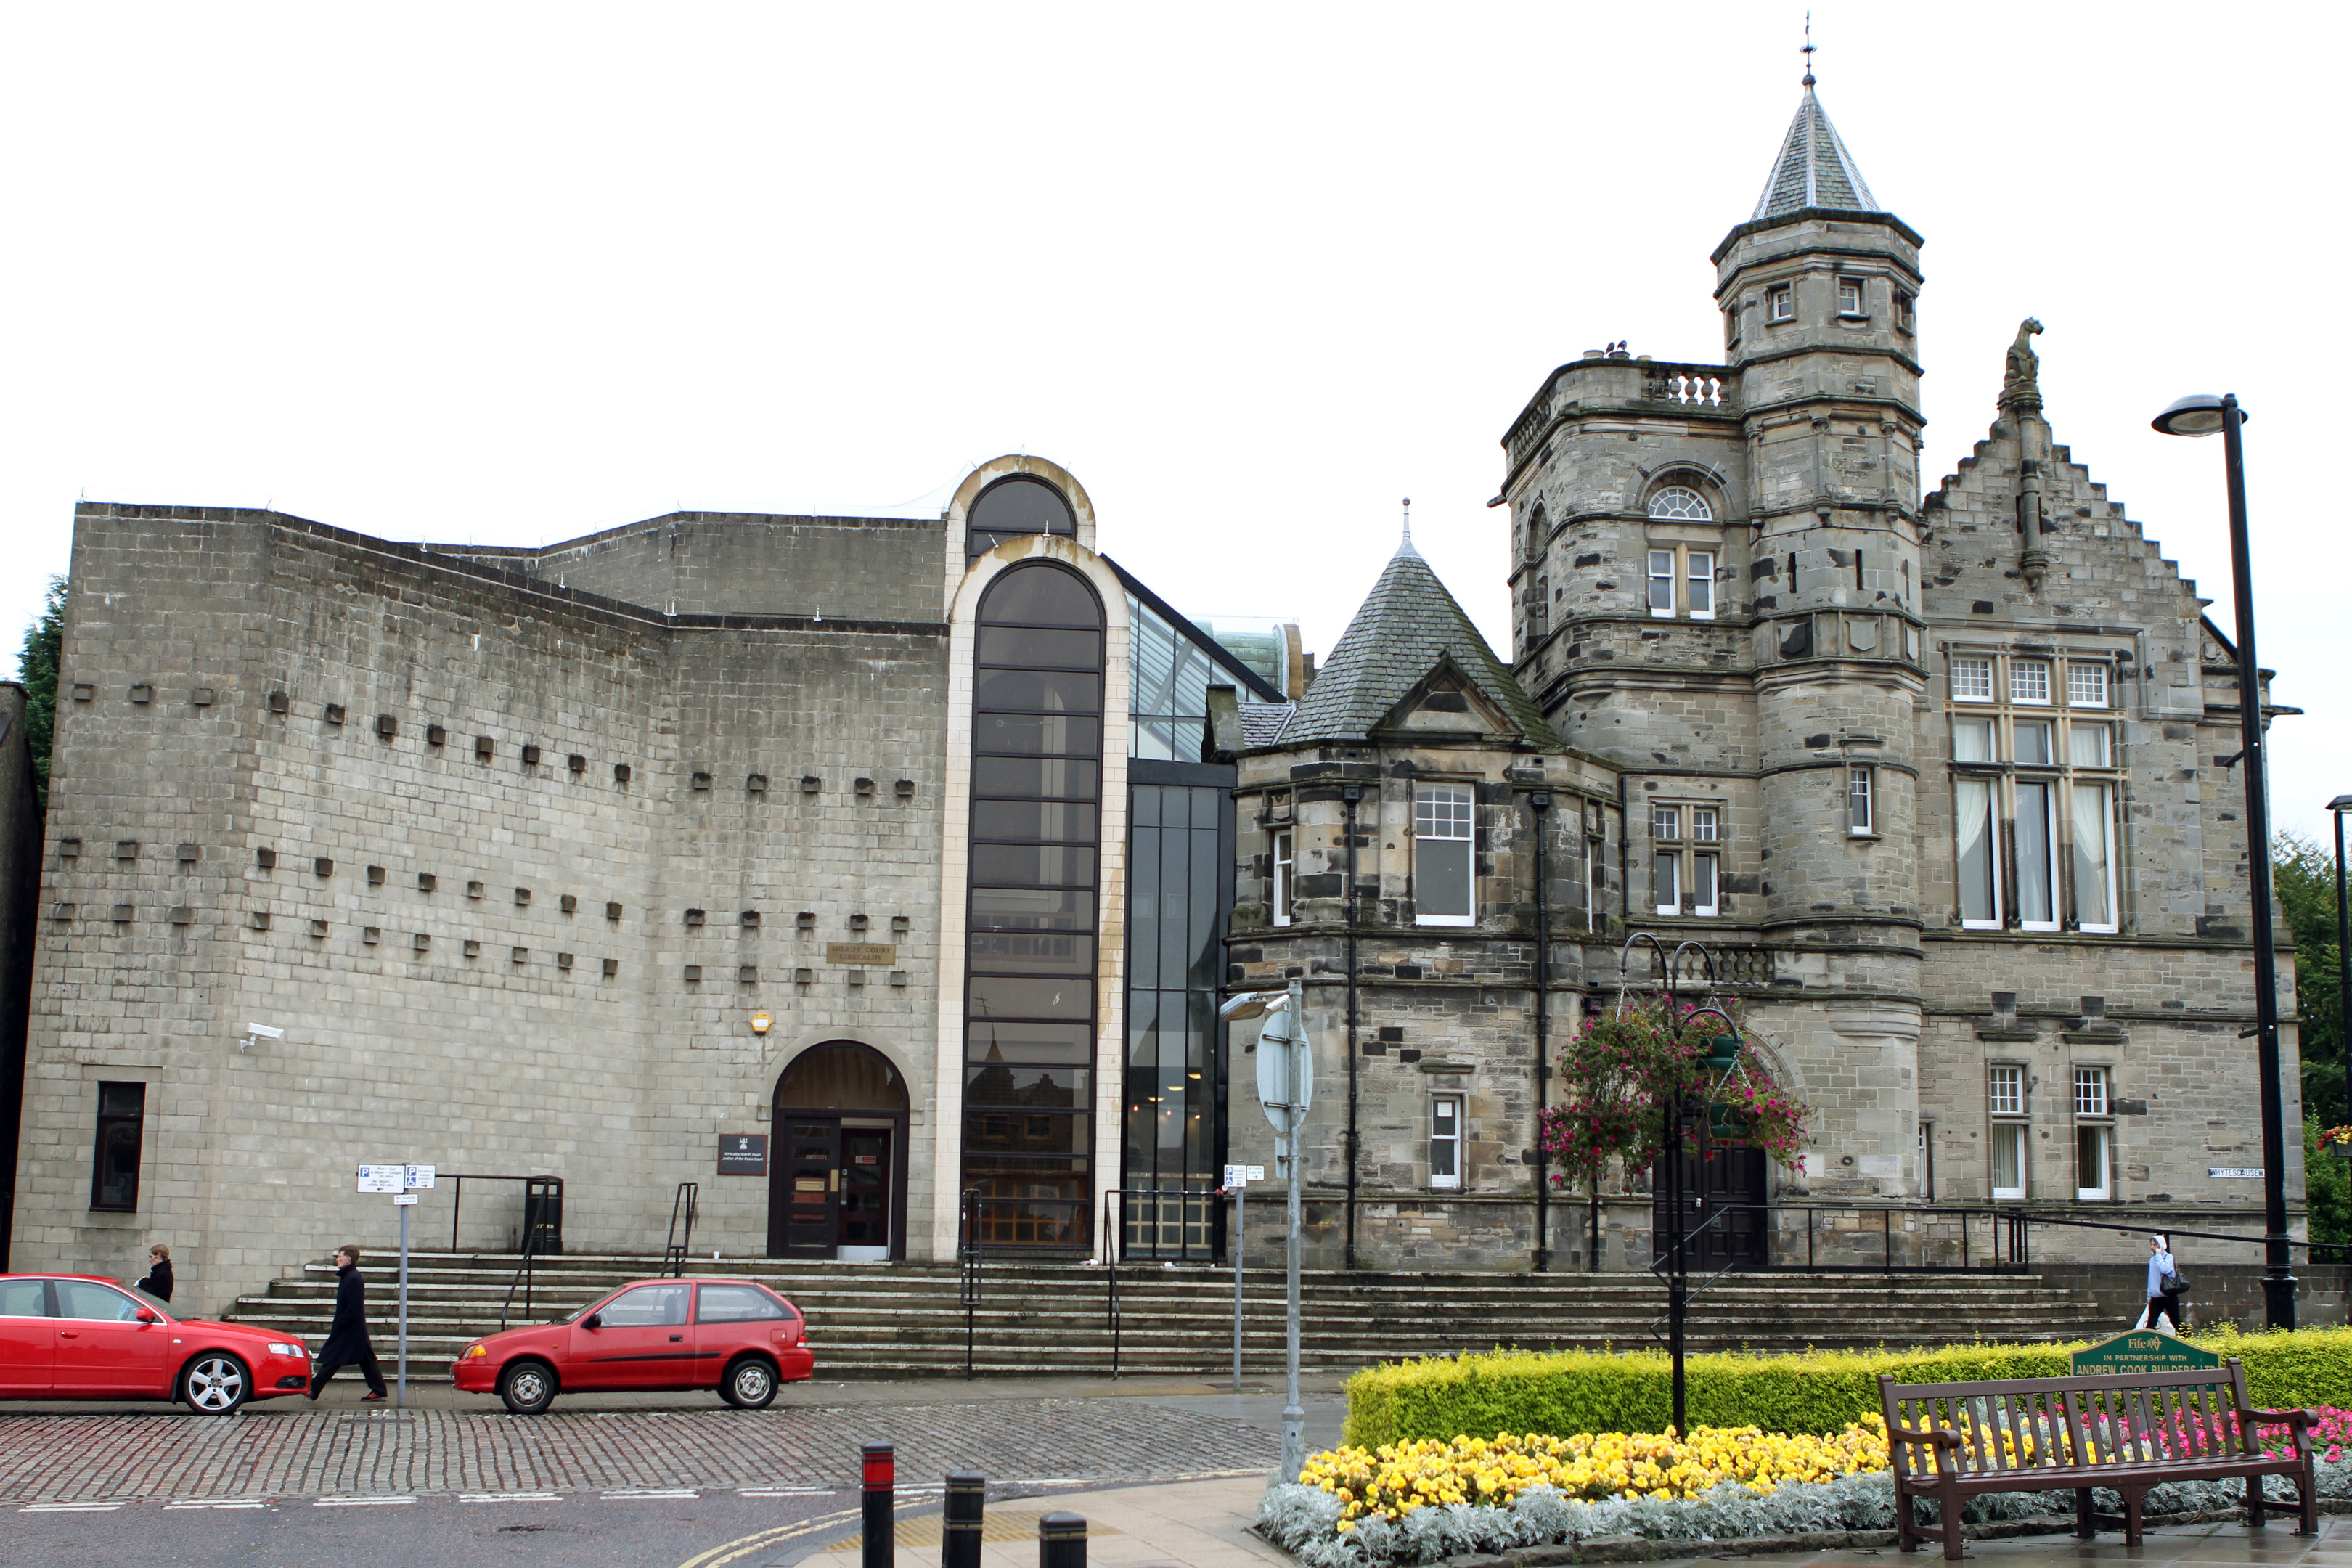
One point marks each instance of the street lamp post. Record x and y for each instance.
(2338, 806)
(2204, 415)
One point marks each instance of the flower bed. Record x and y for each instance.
(1417, 1501)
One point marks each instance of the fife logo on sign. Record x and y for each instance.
(742, 1153)
(2142, 1350)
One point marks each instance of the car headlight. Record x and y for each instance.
(278, 1349)
(474, 1352)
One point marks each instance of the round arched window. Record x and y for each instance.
(1680, 503)
(1015, 505)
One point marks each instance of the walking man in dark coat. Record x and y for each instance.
(347, 1341)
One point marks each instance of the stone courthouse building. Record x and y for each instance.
(882, 877)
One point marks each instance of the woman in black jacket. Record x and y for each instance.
(158, 1282)
(347, 1338)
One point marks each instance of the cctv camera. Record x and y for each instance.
(264, 1031)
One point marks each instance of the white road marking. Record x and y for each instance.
(69, 1508)
(649, 1493)
(191, 1503)
(361, 1502)
(509, 1497)
(788, 1492)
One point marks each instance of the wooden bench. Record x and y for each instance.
(1953, 1441)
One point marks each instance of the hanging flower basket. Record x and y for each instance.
(2337, 1140)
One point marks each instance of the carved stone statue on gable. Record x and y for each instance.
(2021, 387)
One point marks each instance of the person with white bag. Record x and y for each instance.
(2163, 1308)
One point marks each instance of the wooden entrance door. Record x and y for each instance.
(865, 1186)
(1716, 1177)
(804, 1188)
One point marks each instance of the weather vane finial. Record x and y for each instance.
(1807, 51)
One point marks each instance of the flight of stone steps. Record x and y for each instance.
(907, 1319)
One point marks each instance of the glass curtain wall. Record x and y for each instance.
(1030, 976)
(1172, 677)
(1177, 839)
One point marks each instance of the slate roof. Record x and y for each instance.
(1407, 624)
(1814, 170)
(1263, 723)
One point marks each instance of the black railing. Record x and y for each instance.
(1114, 1209)
(525, 1276)
(972, 1259)
(679, 1246)
(542, 1206)
(1015, 1223)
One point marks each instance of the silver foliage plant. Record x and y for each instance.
(1304, 1520)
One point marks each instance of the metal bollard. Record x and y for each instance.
(959, 1538)
(1062, 1540)
(881, 1488)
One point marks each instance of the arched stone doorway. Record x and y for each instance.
(837, 1187)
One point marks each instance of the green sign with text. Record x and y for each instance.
(2142, 1350)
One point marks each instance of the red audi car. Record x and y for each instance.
(76, 1336)
(734, 1335)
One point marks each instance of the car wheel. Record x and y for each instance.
(528, 1387)
(749, 1384)
(214, 1383)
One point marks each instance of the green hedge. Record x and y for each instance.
(1567, 1392)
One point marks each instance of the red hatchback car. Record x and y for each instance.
(76, 1336)
(734, 1335)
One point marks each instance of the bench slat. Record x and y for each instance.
(2210, 1377)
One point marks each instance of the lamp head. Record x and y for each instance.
(2341, 803)
(2199, 414)
(1253, 1004)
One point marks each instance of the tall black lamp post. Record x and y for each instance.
(2338, 806)
(2204, 415)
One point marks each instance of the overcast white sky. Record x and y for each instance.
(1254, 273)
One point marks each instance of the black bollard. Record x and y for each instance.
(881, 1487)
(1062, 1542)
(959, 1539)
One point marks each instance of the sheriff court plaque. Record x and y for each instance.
(864, 954)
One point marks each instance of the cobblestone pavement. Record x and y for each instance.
(98, 1458)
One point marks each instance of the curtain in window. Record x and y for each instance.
(2093, 906)
(2036, 904)
(2008, 1160)
(1973, 801)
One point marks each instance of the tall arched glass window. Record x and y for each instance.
(1013, 506)
(1036, 796)
(1680, 503)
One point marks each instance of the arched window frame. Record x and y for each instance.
(979, 539)
(1680, 577)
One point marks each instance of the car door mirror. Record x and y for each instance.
(147, 1316)
(592, 1320)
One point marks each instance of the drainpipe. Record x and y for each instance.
(1349, 795)
(1540, 803)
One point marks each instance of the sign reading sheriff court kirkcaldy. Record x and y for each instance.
(2141, 1350)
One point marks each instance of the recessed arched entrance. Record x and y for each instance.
(838, 1186)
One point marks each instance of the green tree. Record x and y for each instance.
(2327, 1186)
(37, 667)
(2305, 876)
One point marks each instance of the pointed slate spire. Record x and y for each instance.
(1814, 170)
(1407, 626)
(1407, 547)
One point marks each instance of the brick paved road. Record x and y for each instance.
(168, 1455)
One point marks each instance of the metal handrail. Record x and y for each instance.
(523, 1276)
(675, 1250)
(1114, 1206)
(457, 1196)
(971, 1258)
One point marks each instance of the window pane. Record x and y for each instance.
(1033, 733)
(1037, 692)
(646, 1307)
(93, 1302)
(1702, 583)
(1000, 996)
(2091, 1162)
(1972, 680)
(736, 1304)
(2090, 1091)
(2090, 745)
(1032, 909)
(24, 1298)
(2094, 904)
(1703, 882)
(1039, 866)
(1858, 799)
(1020, 646)
(2033, 743)
(2035, 904)
(1683, 503)
(1035, 776)
(2009, 1161)
(1666, 822)
(1026, 1088)
(1032, 953)
(1662, 580)
(2008, 1091)
(1668, 879)
(1972, 805)
(2029, 680)
(2087, 685)
(1972, 740)
(1062, 822)
(118, 1163)
(1440, 811)
(1441, 877)
(990, 1040)
(1035, 595)
(1025, 1132)
(1704, 820)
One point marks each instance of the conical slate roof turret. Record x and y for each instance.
(1406, 629)
(1814, 170)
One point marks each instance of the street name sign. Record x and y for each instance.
(2236, 1172)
